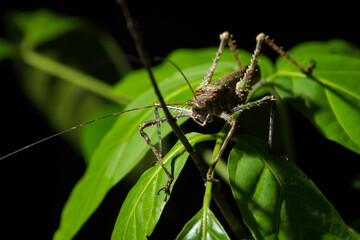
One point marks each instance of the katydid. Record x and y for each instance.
(220, 98)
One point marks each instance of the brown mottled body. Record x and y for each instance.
(221, 95)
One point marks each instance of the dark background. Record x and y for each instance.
(35, 184)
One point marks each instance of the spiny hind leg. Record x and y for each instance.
(225, 38)
(307, 70)
(243, 86)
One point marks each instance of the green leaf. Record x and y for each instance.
(142, 207)
(43, 26)
(91, 136)
(276, 199)
(330, 100)
(123, 147)
(334, 47)
(354, 234)
(203, 221)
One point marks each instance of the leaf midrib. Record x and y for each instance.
(320, 79)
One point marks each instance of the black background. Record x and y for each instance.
(35, 184)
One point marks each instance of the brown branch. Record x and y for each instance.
(201, 166)
(172, 122)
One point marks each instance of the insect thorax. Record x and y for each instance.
(216, 97)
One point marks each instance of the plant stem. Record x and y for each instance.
(221, 168)
(234, 223)
(207, 195)
(71, 75)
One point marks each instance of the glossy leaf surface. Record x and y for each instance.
(276, 199)
(142, 207)
(204, 226)
(123, 147)
(331, 99)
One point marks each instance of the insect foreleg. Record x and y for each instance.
(158, 132)
(158, 154)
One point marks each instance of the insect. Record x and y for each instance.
(219, 98)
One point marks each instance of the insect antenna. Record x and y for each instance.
(78, 126)
(176, 66)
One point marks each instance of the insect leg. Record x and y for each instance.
(255, 103)
(243, 86)
(158, 121)
(309, 67)
(232, 46)
(271, 126)
(158, 132)
(263, 100)
(233, 124)
(224, 38)
(158, 155)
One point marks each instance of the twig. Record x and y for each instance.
(216, 193)
(140, 50)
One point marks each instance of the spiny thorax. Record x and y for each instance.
(220, 95)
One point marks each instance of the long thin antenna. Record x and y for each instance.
(162, 59)
(174, 64)
(78, 126)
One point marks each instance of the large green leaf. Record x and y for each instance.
(204, 226)
(331, 99)
(91, 136)
(123, 147)
(276, 199)
(142, 207)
